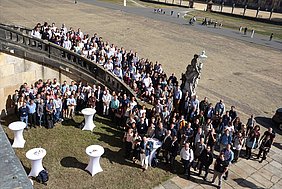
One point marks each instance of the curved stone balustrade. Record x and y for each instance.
(17, 41)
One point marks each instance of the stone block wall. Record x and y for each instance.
(15, 71)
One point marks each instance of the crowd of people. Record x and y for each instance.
(185, 125)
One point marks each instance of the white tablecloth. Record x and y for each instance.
(94, 152)
(88, 116)
(18, 127)
(156, 144)
(35, 155)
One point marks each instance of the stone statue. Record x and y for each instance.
(193, 73)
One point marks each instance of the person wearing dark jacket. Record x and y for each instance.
(264, 148)
(166, 145)
(205, 159)
(173, 151)
(220, 167)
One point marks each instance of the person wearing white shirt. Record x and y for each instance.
(64, 29)
(108, 66)
(106, 98)
(187, 157)
(118, 72)
(36, 32)
(71, 103)
(195, 103)
(147, 81)
(67, 44)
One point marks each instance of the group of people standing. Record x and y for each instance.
(183, 124)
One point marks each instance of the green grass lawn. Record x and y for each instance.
(66, 158)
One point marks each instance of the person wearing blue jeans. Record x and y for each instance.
(23, 111)
(58, 107)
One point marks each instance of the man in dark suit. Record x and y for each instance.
(205, 159)
(99, 103)
(166, 145)
(173, 151)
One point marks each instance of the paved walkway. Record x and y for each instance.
(149, 13)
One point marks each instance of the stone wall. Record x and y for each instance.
(15, 71)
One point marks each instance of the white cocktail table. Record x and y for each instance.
(88, 117)
(18, 127)
(35, 155)
(94, 152)
(156, 144)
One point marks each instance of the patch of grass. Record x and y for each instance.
(235, 23)
(66, 158)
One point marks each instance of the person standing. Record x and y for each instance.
(240, 29)
(267, 140)
(166, 145)
(173, 150)
(264, 148)
(228, 157)
(23, 112)
(49, 114)
(128, 139)
(245, 30)
(220, 168)
(71, 103)
(32, 113)
(106, 102)
(271, 36)
(40, 113)
(58, 107)
(205, 160)
(146, 148)
(187, 157)
(250, 124)
(250, 144)
(252, 33)
(238, 144)
(199, 147)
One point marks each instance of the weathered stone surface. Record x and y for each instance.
(12, 172)
(159, 187)
(170, 185)
(262, 180)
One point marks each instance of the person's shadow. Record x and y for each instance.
(72, 162)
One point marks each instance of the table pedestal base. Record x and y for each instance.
(36, 167)
(18, 144)
(94, 166)
(89, 125)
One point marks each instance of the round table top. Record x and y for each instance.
(17, 125)
(88, 111)
(35, 153)
(95, 150)
(156, 142)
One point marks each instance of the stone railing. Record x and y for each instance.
(17, 41)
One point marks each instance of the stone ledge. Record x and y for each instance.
(12, 172)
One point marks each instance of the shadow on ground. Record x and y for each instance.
(27, 169)
(117, 157)
(72, 162)
(267, 122)
(246, 184)
(70, 122)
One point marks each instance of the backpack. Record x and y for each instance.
(154, 162)
(42, 177)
